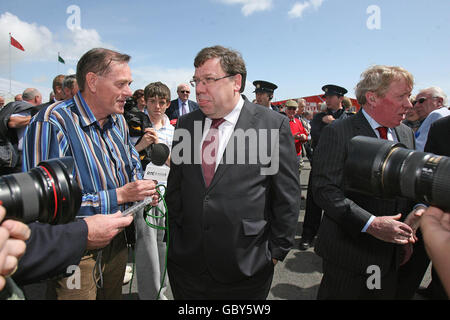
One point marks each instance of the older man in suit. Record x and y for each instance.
(362, 236)
(182, 105)
(233, 207)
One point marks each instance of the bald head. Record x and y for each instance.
(183, 91)
(32, 96)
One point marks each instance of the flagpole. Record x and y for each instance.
(10, 63)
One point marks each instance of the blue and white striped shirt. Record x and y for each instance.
(104, 157)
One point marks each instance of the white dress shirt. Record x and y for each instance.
(225, 130)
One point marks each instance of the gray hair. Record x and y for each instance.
(377, 79)
(436, 92)
(30, 93)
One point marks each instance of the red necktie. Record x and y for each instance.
(210, 147)
(383, 132)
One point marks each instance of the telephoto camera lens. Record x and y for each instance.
(47, 193)
(387, 169)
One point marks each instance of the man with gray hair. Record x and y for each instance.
(91, 129)
(182, 105)
(359, 231)
(431, 105)
(14, 118)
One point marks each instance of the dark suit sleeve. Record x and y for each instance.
(432, 144)
(50, 250)
(193, 105)
(328, 180)
(173, 192)
(171, 110)
(285, 196)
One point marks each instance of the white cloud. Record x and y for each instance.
(40, 44)
(251, 6)
(299, 7)
(19, 87)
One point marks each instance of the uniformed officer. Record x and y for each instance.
(264, 93)
(333, 96)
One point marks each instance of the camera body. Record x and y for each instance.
(47, 193)
(387, 169)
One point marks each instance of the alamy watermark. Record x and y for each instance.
(374, 280)
(73, 22)
(374, 20)
(251, 146)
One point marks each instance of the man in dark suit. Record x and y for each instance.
(232, 214)
(361, 238)
(437, 143)
(334, 96)
(182, 105)
(412, 273)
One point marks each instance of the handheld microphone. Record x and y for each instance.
(159, 152)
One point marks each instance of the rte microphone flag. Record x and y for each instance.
(16, 43)
(61, 59)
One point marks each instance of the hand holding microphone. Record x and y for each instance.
(145, 190)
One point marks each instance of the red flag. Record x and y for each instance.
(16, 44)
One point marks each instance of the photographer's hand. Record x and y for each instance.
(103, 228)
(389, 229)
(413, 220)
(12, 245)
(435, 226)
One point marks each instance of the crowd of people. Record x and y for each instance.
(232, 198)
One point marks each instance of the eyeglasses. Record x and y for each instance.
(185, 91)
(208, 80)
(422, 100)
(291, 108)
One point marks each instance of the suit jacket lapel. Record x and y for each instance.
(362, 126)
(196, 145)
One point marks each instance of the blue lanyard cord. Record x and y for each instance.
(159, 214)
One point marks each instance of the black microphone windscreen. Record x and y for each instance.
(159, 152)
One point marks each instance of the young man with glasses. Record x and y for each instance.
(182, 105)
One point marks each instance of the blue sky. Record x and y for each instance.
(300, 45)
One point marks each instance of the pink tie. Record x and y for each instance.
(209, 151)
(383, 132)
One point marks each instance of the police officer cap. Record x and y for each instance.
(333, 90)
(264, 86)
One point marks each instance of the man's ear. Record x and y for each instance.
(91, 82)
(371, 97)
(238, 82)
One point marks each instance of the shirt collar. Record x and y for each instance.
(373, 124)
(87, 118)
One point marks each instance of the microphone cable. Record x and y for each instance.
(159, 214)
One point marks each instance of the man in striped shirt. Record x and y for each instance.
(90, 128)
